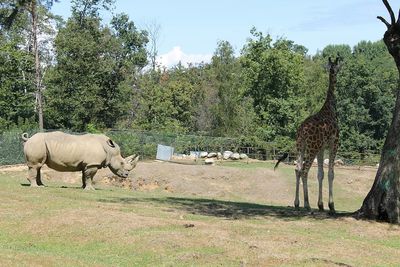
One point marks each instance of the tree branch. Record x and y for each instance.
(384, 21)
(398, 18)
(388, 7)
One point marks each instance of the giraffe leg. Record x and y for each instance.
(304, 177)
(320, 159)
(332, 154)
(298, 169)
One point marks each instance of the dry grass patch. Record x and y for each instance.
(238, 215)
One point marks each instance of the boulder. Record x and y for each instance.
(339, 162)
(227, 154)
(209, 161)
(203, 154)
(212, 155)
(243, 156)
(235, 156)
(336, 162)
(219, 155)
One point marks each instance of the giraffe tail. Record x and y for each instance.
(281, 158)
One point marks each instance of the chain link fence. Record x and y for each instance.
(145, 143)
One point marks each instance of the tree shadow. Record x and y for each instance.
(230, 209)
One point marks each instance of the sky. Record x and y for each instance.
(190, 30)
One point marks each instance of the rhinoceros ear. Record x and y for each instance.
(110, 143)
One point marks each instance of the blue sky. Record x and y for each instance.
(190, 30)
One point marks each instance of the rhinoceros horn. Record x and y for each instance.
(131, 159)
(131, 162)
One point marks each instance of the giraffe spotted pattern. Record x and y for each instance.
(316, 134)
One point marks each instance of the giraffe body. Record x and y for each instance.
(316, 134)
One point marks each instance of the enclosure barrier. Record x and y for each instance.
(145, 144)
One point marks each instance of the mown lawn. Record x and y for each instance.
(62, 225)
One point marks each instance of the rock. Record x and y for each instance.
(339, 162)
(243, 156)
(212, 155)
(336, 162)
(219, 155)
(209, 161)
(203, 154)
(235, 156)
(191, 157)
(227, 154)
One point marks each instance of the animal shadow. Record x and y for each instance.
(230, 209)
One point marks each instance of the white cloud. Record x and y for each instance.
(176, 55)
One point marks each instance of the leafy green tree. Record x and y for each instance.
(274, 77)
(233, 109)
(168, 100)
(365, 91)
(344, 51)
(15, 8)
(313, 93)
(16, 86)
(93, 79)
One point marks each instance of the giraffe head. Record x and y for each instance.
(392, 34)
(334, 66)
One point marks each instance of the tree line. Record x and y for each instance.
(95, 75)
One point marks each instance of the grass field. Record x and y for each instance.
(62, 225)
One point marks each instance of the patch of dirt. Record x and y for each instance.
(209, 181)
(249, 184)
(13, 168)
(202, 180)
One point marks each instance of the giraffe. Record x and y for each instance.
(318, 133)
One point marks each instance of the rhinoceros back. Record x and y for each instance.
(65, 152)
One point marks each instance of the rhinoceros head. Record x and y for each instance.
(117, 164)
(122, 166)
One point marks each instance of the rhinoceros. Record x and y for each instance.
(65, 152)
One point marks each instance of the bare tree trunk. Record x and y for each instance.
(153, 29)
(37, 64)
(383, 200)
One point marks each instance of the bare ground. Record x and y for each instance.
(248, 183)
(238, 215)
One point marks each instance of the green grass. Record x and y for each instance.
(62, 225)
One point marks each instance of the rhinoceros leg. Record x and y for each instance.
(87, 178)
(34, 176)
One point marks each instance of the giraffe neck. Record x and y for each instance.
(330, 101)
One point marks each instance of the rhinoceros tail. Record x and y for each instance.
(25, 137)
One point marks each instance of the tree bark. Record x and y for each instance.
(383, 200)
(37, 64)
